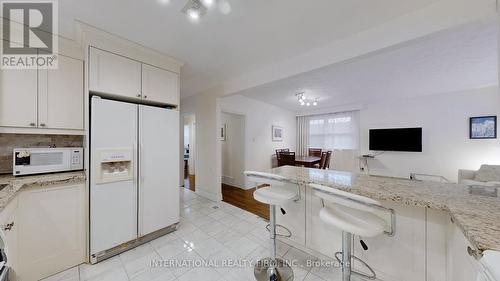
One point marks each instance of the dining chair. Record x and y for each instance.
(315, 152)
(322, 161)
(287, 159)
(327, 160)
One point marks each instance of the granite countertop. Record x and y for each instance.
(475, 211)
(10, 186)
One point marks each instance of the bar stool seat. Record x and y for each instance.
(274, 195)
(278, 193)
(354, 215)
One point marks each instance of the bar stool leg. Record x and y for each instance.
(272, 268)
(346, 255)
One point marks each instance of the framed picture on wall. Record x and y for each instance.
(277, 133)
(484, 127)
(223, 132)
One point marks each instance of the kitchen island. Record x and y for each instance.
(440, 226)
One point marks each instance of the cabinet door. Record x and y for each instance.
(51, 233)
(459, 265)
(160, 85)
(322, 238)
(295, 217)
(18, 95)
(60, 95)
(9, 224)
(403, 256)
(114, 74)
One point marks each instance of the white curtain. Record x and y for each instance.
(302, 135)
(337, 131)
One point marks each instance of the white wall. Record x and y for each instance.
(205, 107)
(445, 122)
(259, 118)
(233, 150)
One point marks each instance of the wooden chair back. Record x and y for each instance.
(315, 152)
(279, 151)
(287, 159)
(327, 160)
(322, 162)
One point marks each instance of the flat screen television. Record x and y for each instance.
(401, 139)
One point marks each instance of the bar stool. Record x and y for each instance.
(277, 193)
(354, 215)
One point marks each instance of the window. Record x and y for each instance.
(334, 131)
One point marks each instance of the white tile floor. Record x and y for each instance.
(209, 231)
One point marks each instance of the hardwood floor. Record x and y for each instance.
(244, 199)
(188, 179)
(189, 182)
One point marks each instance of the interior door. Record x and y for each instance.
(113, 205)
(158, 168)
(60, 101)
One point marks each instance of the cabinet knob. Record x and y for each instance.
(32, 124)
(42, 125)
(8, 226)
(138, 95)
(474, 253)
(145, 97)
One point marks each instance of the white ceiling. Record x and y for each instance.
(220, 47)
(461, 58)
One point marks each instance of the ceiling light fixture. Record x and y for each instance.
(208, 3)
(195, 9)
(303, 100)
(193, 13)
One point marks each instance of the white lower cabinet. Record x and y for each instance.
(294, 218)
(9, 228)
(403, 256)
(319, 237)
(460, 266)
(416, 253)
(48, 235)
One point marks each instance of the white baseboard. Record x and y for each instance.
(208, 195)
(232, 182)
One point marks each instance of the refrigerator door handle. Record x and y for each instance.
(141, 162)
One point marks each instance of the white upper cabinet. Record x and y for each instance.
(43, 99)
(18, 98)
(60, 103)
(160, 85)
(114, 74)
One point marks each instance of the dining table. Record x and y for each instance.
(307, 161)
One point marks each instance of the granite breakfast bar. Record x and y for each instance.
(436, 222)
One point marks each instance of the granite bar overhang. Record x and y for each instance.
(478, 215)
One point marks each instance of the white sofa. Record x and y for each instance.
(487, 175)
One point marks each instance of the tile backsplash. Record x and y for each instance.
(10, 141)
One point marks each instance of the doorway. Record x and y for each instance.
(189, 147)
(235, 189)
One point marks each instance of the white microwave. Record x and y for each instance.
(28, 161)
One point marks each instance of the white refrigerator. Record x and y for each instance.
(134, 186)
